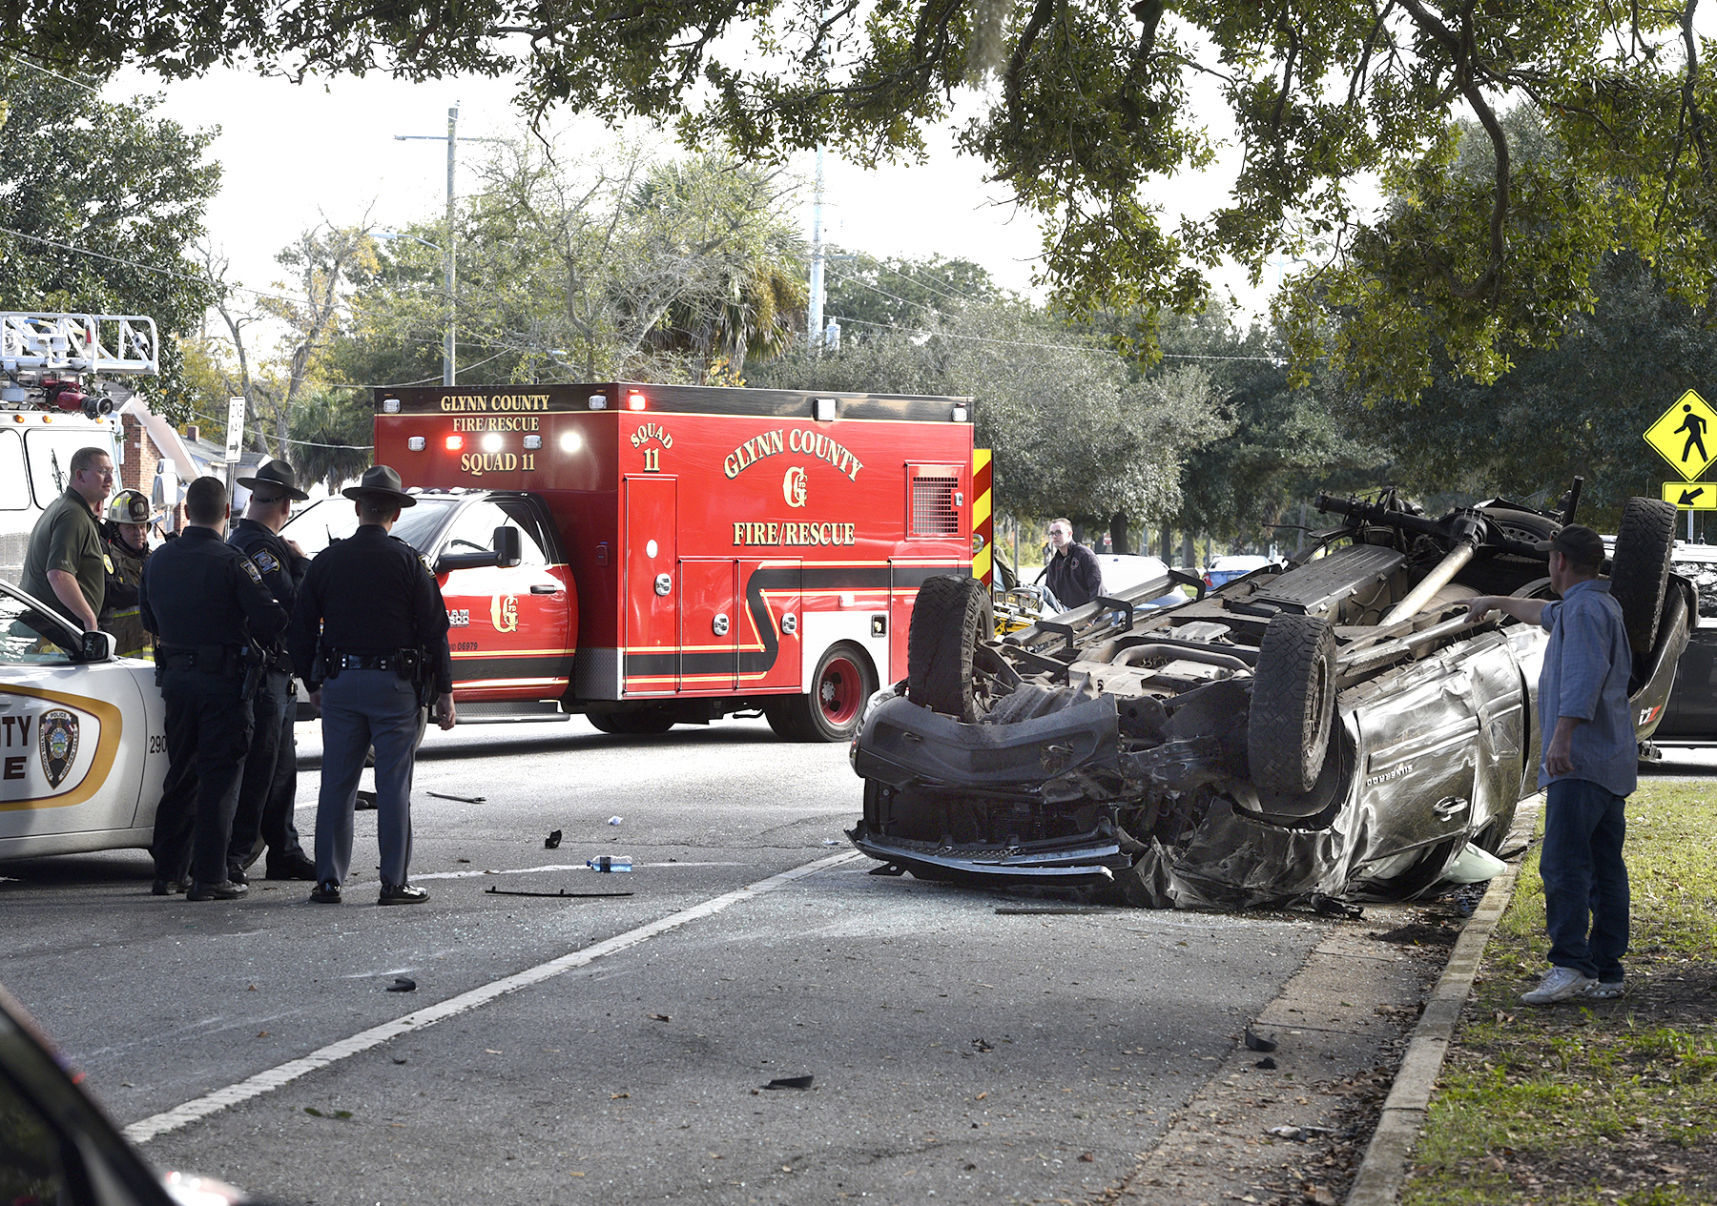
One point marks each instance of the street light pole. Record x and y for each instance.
(453, 140)
(452, 144)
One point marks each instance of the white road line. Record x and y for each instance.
(266, 1082)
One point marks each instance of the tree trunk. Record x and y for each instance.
(1119, 537)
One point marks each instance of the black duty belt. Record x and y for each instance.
(215, 658)
(366, 661)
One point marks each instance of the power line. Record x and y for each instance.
(56, 75)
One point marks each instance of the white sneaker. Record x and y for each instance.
(1558, 984)
(1606, 990)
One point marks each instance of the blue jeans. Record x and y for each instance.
(1585, 879)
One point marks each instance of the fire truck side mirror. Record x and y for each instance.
(507, 549)
(504, 553)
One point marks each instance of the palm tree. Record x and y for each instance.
(332, 437)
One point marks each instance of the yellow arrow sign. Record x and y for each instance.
(1691, 496)
(1682, 434)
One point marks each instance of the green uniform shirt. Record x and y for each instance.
(67, 537)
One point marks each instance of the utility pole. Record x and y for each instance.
(814, 318)
(453, 140)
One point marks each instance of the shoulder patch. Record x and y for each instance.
(265, 561)
(250, 569)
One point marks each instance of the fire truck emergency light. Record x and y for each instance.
(598, 402)
(492, 442)
(635, 399)
(533, 442)
(455, 443)
(415, 443)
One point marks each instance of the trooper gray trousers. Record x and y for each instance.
(361, 708)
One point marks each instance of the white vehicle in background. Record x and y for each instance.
(53, 401)
(83, 745)
(1234, 565)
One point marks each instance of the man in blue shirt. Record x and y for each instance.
(1589, 767)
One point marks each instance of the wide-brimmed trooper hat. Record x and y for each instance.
(380, 481)
(278, 475)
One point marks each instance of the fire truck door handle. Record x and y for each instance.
(664, 584)
(545, 588)
(789, 623)
(719, 624)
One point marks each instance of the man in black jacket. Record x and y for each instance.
(1073, 575)
(369, 632)
(269, 791)
(207, 607)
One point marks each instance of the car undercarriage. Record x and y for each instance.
(1333, 729)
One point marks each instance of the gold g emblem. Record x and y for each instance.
(793, 487)
(504, 612)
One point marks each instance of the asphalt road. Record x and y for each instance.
(959, 1045)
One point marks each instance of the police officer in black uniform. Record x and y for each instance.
(381, 654)
(268, 793)
(207, 607)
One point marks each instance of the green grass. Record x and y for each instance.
(1606, 1102)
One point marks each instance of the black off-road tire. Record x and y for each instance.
(832, 709)
(1293, 704)
(951, 616)
(1639, 568)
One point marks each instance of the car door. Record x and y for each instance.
(509, 627)
(77, 748)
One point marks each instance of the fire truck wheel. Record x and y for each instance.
(842, 682)
(630, 721)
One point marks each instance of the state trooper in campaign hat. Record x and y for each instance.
(276, 476)
(382, 483)
(269, 791)
(369, 638)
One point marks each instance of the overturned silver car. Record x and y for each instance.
(1332, 729)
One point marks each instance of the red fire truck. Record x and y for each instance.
(653, 555)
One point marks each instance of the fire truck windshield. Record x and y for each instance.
(319, 524)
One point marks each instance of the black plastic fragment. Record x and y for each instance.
(403, 984)
(552, 840)
(1257, 1042)
(789, 1082)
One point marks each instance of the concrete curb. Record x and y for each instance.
(1384, 1169)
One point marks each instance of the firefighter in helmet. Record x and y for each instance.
(126, 534)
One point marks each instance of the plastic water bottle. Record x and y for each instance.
(622, 862)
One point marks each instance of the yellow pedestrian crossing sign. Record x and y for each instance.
(1683, 433)
(1691, 496)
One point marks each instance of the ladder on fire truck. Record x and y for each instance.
(41, 353)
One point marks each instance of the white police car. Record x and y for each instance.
(83, 747)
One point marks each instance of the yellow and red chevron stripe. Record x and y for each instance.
(983, 520)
